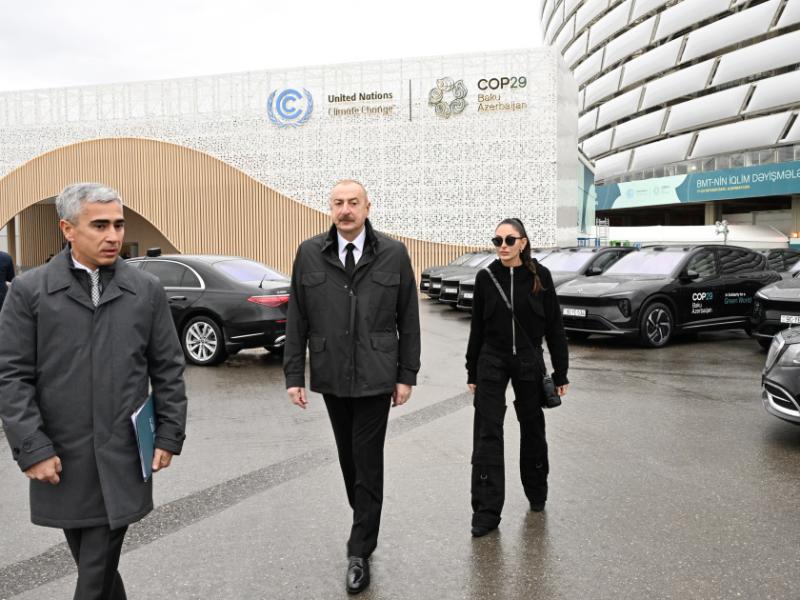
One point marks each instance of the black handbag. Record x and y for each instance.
(550, 397)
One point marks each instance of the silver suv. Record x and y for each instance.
(780, 379)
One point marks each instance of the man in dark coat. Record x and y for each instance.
(354, 304)
(83, 337)
(6, 274)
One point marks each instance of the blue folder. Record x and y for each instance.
(144, 426)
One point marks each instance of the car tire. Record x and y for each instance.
(656, 325)
(765, 343)
(203, 342)
(578, 336)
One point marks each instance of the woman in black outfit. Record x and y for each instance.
(500, 349)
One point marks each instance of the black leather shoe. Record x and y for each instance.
(537, 506)
(480, 530)
(357, 574)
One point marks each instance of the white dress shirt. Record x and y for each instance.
(358, 243)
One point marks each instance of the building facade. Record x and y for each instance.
(242, 163)
(688, 108)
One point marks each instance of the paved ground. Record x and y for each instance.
(668, 481)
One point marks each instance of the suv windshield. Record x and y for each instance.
(567, 261)
(248, 271)
(461, 259)
(477, 260)
(647, 263)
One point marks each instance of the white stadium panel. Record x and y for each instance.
(589, 11)
(555, 23)
(742, 135)
(603, 87)
(598, 144)
(794, 132)
(569, 5)
(658, 59)
(629, 42)
(565, 36)
(611, 23)
(616, 164)
(642, 128)
(642, 7)
(791, 14)
(547, 12)
(576, 50)
(619, 107)
(677, 84)
(706, 109)
(661, 152)
(771, 54)
(724, 32)
(587, 122)
(589, 67)
(687, 13)
(776, 91)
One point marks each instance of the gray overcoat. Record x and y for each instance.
(71, 375)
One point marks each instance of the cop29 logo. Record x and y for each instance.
(289, 107)
(448, 97)
(701, 296)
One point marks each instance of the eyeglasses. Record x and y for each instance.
(510, 240)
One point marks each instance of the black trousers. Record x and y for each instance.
(96, 552)
(359, 426)
(488, 465)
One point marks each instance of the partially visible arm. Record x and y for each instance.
(475, 329)
(294, 351)
(19, 409)
(408, 329)
(555, 335)
(10, 271)
(165, 364)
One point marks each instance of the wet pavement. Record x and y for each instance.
(668, 480)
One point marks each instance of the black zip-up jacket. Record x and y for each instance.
(539, 315)
(363, 337)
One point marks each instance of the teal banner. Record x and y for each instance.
(729, 184)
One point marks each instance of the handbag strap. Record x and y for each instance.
(513, 316)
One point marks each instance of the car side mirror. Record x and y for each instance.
(594, 271)
(690, 275)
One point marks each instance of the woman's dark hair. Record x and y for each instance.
(525, 255)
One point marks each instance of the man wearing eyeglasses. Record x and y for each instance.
(354, 305)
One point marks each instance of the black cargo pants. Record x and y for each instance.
(488, 470)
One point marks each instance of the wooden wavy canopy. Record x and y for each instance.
(198, 202)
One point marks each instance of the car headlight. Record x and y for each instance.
(791, 356)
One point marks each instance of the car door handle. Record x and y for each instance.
(176, 298)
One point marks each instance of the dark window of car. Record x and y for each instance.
(172, 274)
(605, 260)
(791, 260)
(248, 271)
(775, 260)
(703, 264)
(733, 261)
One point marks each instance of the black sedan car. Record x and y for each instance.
(655, 292)
(775, 308)
(569, 263)
(785, 261)
(221, 304)
(425, 277)
(780, 381)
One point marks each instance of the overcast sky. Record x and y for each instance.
(54, 43)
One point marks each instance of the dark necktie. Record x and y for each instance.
(350, 260)
(94, 282)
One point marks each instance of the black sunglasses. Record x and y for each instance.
(510, 240)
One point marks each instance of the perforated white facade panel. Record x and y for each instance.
(702, 65)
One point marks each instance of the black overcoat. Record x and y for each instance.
(363, 336)
(71, 375)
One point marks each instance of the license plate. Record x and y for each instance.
(450, 290)
(793, 319)
(574, 312)
(468, 295)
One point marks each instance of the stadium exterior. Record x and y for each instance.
(242, 163)
(687, 108)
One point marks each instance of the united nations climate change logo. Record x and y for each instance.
(289, 108)
(448, 97)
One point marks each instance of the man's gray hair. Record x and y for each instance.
(358, 183)
(70, 201)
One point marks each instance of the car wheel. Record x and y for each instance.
(203, 342)
(656, 326)
(578, 336)
(765, 343)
